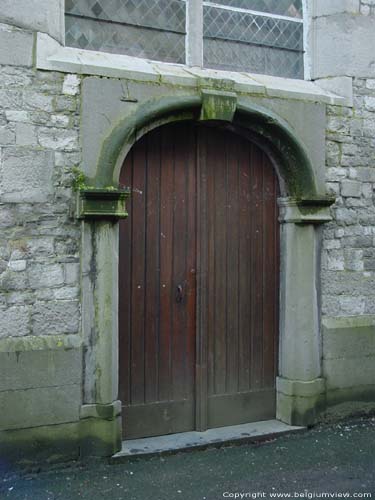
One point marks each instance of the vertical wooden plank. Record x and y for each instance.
(166, 262)
(218, 168)
(191, 262)
(125, 252)
(202, 289)
(179, 331)
(233, 145)
(256, 269)
(245, 235)
(139, 195)
(210, 268)
(152, 281)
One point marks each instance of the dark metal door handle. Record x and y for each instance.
(179, 293)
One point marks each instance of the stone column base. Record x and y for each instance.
(299, 402)
(100, 429)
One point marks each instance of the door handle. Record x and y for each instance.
(179, 293)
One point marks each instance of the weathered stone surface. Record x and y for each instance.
(351, 189)
(28, 14)
(25, 175)
(44, 405)
(16, 46)
(7, 136)
(15, 321)
(57, 139)
(40, 368)
(45, 275)
(26, 135)
(344, 372)
(55, 317)
(71, 85)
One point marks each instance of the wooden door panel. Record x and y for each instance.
(199, 275)
(240, 317)
(157, 321)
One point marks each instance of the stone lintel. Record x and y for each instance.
(305, 210)
(102, 203)
(103, 411)
(218, 105)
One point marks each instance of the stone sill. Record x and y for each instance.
(50, 55)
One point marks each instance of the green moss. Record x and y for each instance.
(79, 179)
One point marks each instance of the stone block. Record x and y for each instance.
(15, 321)
(58, 139)
(349, 372)
(40, 368)
(25, 134)
(370, 103)
(72, 273)
(29, 14)
(37, 101)
(7, 136)
(328, 8)
(26, 175)
(41, 406)
(16, 46)
(45, 275)
(55, 317)
(350, 305)
(351, 337)
(17, 116)
(71, 85)
(350, 39)
(353, 259)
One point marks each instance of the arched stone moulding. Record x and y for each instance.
(300, 386)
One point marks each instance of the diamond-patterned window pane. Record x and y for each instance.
(166, 15)
(242, 26)
(241, 40)
(122, 39)
(281, 7)
(153, 29)
(233, 56)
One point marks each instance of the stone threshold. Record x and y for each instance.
(187, 441)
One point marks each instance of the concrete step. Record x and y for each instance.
(186, 441)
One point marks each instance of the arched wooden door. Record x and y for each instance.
(199, 282)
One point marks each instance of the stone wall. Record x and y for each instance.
(40, 356)
(348, 260)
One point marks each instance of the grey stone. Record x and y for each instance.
(26, 135)
(7, 136)
(72, 273)
(351, 189)
(31, 15)
(328, 8)
(344, 372)
(16, 46)
(58, 139)
(17, 116)
(40, 368)
(15, 321)
(350, 39)
(55, 317)
(26, 175)
(353, 337)
(43, 406)
(45, 275)
(36, 100)
(71, 85)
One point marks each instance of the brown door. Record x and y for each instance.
(198, 282)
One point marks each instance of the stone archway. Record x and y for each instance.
(300, 386)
